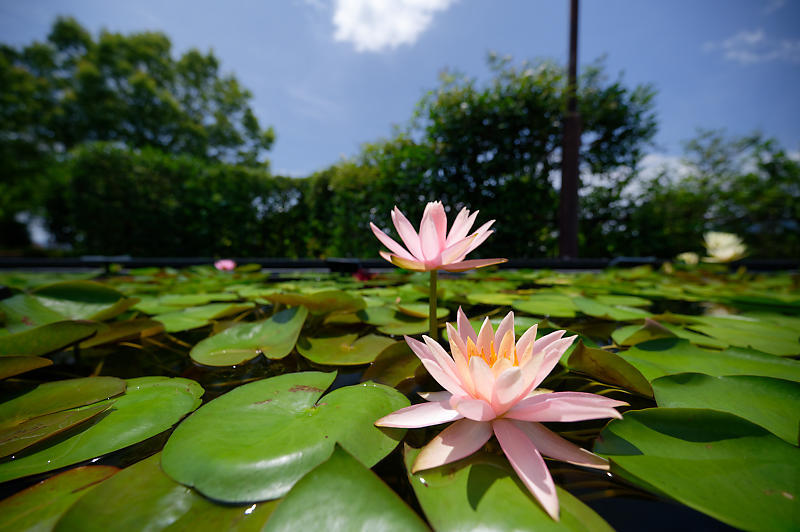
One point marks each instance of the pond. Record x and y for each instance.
(243, 400)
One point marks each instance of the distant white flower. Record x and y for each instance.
(723, 247)
(689, 257)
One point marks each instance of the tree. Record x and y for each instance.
(496, 147)
(747, 185)
(126, 89)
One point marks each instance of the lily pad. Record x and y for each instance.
(345, 350)
(482, 492)
(597, 309)
(748, 332)
(40, 506)
(668, 356)
(124, 330)
(498, 299)
(149, 406)
(608, 367)
(23, 313)
(421, 310)
(342, 495)
(321, 302)
(256, 441)
(714, 462)
(19, 436)
(48, 338)
(634, 334)
(58, 396)
(274, 338)
(83, 300)
(547, 304)
(772, 403)
(142, 497)
(393, 365)
(194, 317)
(389, 321)
(16, 365)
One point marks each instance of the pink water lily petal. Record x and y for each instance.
(483, 233)
(482, 378)
(421, 415)
(474, 409)
(552, 354)
(407, 233)
(565, 406)
(393, 246)
(461, 226)
(435, 396)
(471, 264)
(528, 463)
(429, 237)
(403, 263)
(460, 439)
(551, 444)
(485, 337)
(527, 338)
(465, 329)
(458, 249)
(436, 211)
(506, 325)
(546, 340)
(508, 386)
(443, 375)
(459, 350)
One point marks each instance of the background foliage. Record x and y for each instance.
(124, 149)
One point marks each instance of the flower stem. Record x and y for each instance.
(432, 321)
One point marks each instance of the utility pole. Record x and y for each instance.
(568, 200)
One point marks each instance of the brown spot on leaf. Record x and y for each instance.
(265, 401)
(27, 321)
(304, 388)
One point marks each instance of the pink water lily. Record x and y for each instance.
(225, 265)
(490, 388)
(433, 248)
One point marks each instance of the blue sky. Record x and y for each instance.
(332, 74)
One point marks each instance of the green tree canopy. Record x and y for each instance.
(127, 89)
(496, 146)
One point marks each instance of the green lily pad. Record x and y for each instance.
(389, 321)
(23, 313)
(191, 300)
(608, 367)
(421, 310)
(748, 332)
(194, 317)
(83, 300)
(19, 436)
(142, 497)
(321, 302)
(58, 396)
(547, 304)
(497, 299)
(597, 309)
(668, 356)
(256, 441)
(342, 495)
(48, 338)
(345, 350)
(149, 406)
(393, 365)
(772, 403)
(40, 506)
(634, 334)
(124, 330)
(622, 300)
(482, 492)
(274, 338)
(16, 365)
(714, 462)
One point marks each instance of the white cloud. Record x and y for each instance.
(774, 5)
(377, 25)
(750, 47)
